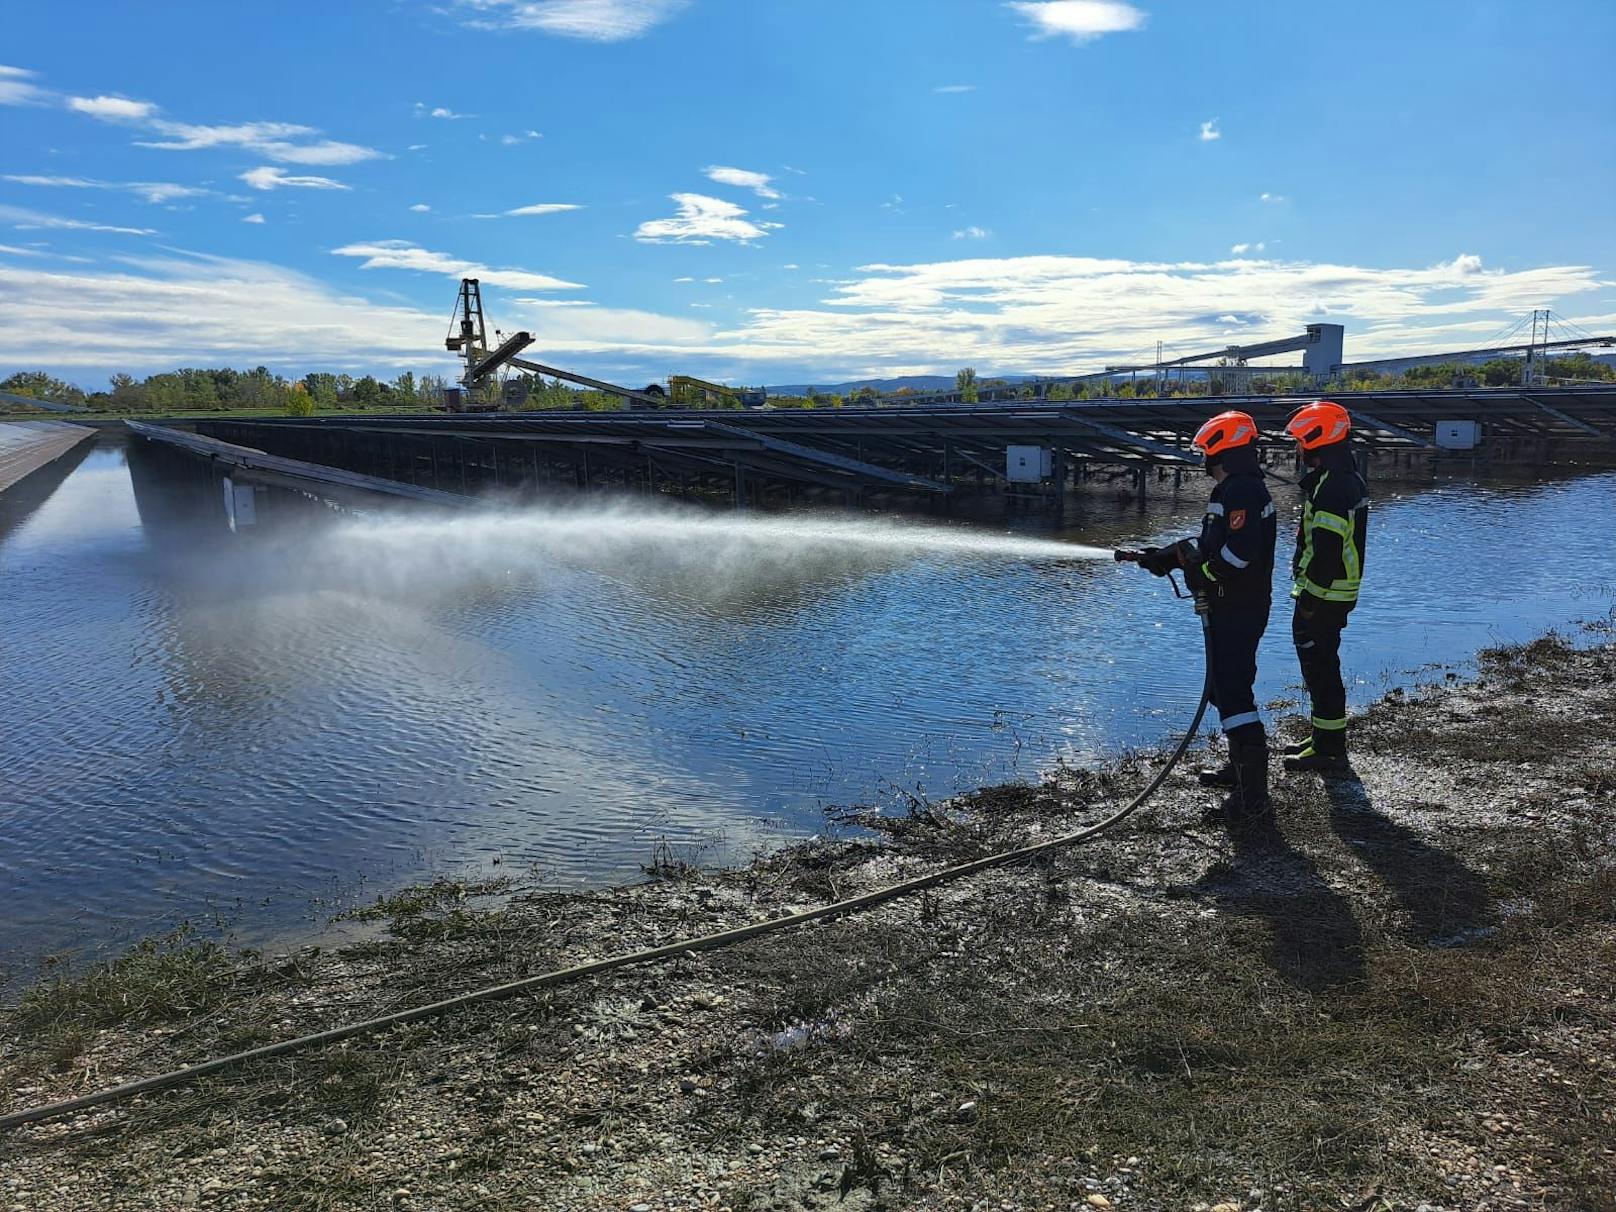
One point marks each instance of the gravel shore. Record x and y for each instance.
(1400, 999)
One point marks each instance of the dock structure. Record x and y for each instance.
(26, 446)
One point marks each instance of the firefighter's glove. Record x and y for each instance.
(1158, 561)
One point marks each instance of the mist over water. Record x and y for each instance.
(263, 726)
(733, 545)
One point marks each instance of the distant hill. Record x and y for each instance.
(885, 386)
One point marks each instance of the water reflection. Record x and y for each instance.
(314, 704)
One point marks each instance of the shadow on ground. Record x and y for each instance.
(1443, 898)
(1314, 940)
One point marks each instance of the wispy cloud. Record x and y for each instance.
(701, 220)
(24, 219)
(254, 218)
(422, 110)
(268, 177)
(593, 20)
(1080, 20)
(288, 142)
(401, 254)
(150, 191)
(153, 313)
(1210, 131)
(420, 208)
(112, 109)
(524, 137)
(545, 208)
(16, 89)
(1275, 199)
(972, 232)
(1241, 250)
(758, 183)
(955, 88)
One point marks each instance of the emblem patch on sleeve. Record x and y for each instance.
(1237, 519)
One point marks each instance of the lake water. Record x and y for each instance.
(256, 728)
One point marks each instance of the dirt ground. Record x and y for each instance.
(1401, 998)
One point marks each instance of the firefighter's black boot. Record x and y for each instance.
(1218, 776)
(1248, 804)
(1327, 754)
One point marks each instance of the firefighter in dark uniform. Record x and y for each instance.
(1232, 564)
(1327, 570)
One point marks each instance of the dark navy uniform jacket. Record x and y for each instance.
(1236, 544)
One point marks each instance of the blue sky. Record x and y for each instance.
(790, 190)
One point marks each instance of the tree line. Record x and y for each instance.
(224, 389)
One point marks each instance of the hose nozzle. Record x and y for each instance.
(1123, 556)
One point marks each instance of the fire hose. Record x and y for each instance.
(668, 951)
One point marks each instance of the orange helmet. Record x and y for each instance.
(1319, 424)
(1225, 432)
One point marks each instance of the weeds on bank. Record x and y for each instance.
(172, 977)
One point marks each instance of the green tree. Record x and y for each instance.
(965, 384)
(322, 388)
(367, 392)
(404, 390)
(37, 385)
(299, 403)
(1500, 372)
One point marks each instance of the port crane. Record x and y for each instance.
(468, 337)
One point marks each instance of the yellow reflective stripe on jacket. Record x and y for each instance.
(1345, 589)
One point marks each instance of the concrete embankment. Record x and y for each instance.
(1399, 998)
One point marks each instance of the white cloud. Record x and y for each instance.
(12, 250)
(955, 88)
(283, 141)
(712, 281)
(28, 220)
(401, 254)
(1080, 20)
(416, 147)
(684, 279)
(112, 109)
(157, 313)
(1210, 131)
(593, 20)
(791, 265)
(973, 232)
(701, 220)
(545, 208)
(266, 177)
(1241, 250)
(1274, 199)
(150, 191)
(1049, 314)
(254, 218)
(742, 179)
(15, 88)
(420, 208)
(512, 140)
(615, 330)
(439, 111)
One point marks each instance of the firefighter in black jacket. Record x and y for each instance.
(1327, 570)
(1232, 563)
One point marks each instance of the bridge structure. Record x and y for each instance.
(919, 451)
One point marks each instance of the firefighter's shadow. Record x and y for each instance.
(1443, 899)
(1314, 939)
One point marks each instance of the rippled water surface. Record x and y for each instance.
(263, 725)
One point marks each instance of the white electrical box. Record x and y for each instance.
(1458, 435)
(1028, 464)
(240, 505)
